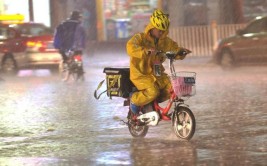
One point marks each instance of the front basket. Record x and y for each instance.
(183, 83)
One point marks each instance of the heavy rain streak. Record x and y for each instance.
(50, 119)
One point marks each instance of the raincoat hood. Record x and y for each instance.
(149, 27)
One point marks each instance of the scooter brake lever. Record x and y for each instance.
(171, 54)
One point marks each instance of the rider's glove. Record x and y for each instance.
(150, 51)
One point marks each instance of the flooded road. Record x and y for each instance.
(45, 121)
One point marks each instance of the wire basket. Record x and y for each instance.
(183, 83)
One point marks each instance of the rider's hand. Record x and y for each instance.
(151, 51)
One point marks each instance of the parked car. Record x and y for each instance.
(248, 45)
(25, 45)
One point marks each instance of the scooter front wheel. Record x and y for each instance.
(183, 122)
(138, 131)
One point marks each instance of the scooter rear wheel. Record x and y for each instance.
(137, 131)
(78, 75)
(184, 122)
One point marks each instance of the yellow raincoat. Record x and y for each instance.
(150, 84)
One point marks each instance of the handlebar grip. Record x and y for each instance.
(183, 52)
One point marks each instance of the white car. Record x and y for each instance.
(25, 45)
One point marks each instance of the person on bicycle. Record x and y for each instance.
(146, 69)
(72, 35)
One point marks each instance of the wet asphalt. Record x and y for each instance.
(45, 121)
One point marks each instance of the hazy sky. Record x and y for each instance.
(41, 9)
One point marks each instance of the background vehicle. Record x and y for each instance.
(26, 44)
(74, 67)
(249, 45)
(40, 49)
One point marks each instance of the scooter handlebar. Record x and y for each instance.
(172, 55)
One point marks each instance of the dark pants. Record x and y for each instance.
(63, 55)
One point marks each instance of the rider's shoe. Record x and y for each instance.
(134, 108)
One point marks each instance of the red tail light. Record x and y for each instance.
(34, 44)
(77, 57)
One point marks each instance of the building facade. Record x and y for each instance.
(113, 20)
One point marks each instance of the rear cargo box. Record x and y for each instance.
(118, 82)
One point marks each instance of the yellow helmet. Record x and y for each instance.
(160, 20)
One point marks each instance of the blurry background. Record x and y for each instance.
(112, 20)
(45, 121)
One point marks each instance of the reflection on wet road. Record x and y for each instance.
(45, 121)
(36, 73)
